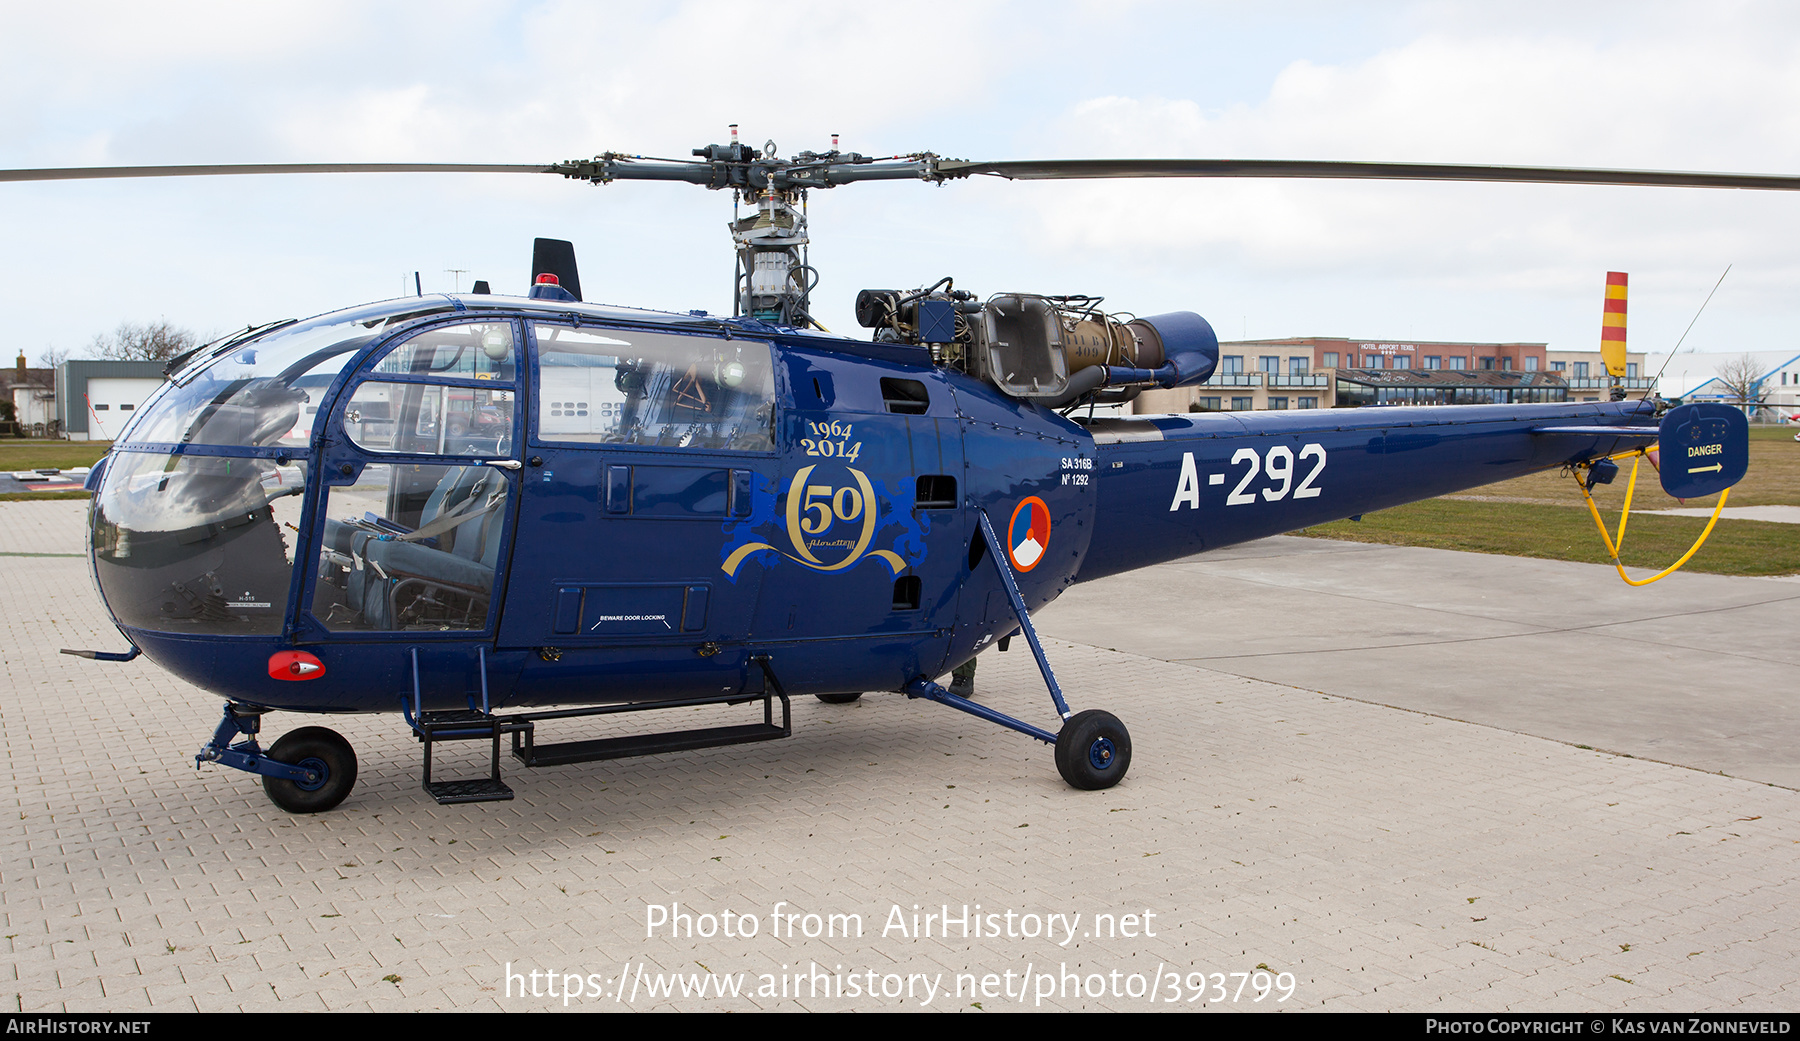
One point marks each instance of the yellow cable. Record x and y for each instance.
(1625, 511)
(1614, 548)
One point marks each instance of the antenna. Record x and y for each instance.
(1690, 325)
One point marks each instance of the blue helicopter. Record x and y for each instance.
(490, 512)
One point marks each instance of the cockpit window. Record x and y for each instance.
(618, 386)
(197, 544)
(479, 351)
(261, 394)
(452, 394)
(265, 392)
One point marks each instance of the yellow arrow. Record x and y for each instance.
(1703, 469)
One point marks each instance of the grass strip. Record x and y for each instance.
(46, 455)
(1736, 547)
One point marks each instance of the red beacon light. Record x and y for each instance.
(549, 287)
(295, 665)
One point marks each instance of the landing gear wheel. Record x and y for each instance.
(312, 748)
(1093, 751)
(839, 699)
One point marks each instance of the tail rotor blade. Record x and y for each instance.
(1612, 324)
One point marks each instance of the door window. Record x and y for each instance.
(431, 419)
(626, 387)
(411, 546)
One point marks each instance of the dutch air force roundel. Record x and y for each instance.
(1028, 535)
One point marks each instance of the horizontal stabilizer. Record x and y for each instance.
(1647, 433)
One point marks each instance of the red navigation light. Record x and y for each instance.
(295, 665)
(547, 279)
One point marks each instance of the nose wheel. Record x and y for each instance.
(1093, 751)
(328, 760)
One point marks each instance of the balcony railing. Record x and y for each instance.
(1236, 379)
(1303, 380)
(1602, 382)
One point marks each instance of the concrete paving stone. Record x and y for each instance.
(1352, 871)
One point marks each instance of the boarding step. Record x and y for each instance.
(478, 724)
(463, 725)
(564, 753)
(481, 789)
(530, 753)
(433, 727)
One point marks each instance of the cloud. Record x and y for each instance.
(1722, 98)
(1667, 85)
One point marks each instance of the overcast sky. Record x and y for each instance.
(1712, 86)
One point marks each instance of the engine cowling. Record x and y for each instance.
(1053, 350)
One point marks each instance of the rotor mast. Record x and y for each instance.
(773, 281)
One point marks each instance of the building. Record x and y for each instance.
(1333, 372)
(1781, 389)
(1585, 373)
(95, 399)
(1778, 389)
(32, 393)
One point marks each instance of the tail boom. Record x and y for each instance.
(1172, 486)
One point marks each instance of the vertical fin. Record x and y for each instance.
(556, 257)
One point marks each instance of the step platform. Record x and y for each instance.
(474, 725)
(481, 789)
(433, 727)
(564, 753)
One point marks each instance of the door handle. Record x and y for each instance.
(506, 464)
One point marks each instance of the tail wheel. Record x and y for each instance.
(327, 754)
(1093, 751)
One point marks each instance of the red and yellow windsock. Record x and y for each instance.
(1612, 324)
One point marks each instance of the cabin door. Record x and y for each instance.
(421, 489)
(647, 449)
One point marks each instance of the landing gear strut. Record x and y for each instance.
(308, 771)
(1093, 751)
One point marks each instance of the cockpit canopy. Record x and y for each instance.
(201, 509)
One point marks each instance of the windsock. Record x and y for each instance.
(1612, 325)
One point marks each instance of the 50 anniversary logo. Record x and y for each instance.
(830, 526)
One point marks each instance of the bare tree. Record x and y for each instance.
(151, 342)
(1742, 378)
(51, 357)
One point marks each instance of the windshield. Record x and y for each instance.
(196, 543)
(264, 392)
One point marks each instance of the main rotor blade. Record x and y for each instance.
(1049, 169)
(82, 173)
